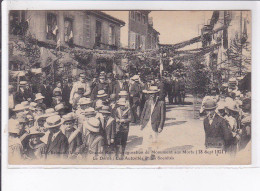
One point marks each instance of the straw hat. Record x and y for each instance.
(89, 111)
(121, 101)
(84, 101)
(59, 107)
(29, 117)
(221, 105)
(101, 93)
(123, 93)
(69, 117)
(26, 104)
(48, 112)
(105, 109)
(152, 90)
(99, 103)
(39, 96)
(19, 107)
(35, 132)
(32, 106)
(210, 104)
(92, 124)
(53, 121)
(232, 105)
(23, 83)
(135, 78)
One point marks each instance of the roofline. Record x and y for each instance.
(108, 17)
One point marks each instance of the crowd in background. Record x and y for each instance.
(227, 117)
(90, 116)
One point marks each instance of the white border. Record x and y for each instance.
(116, 5)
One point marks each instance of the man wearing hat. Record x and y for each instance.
(135, 97)
(57, 98)
(120, 85)
(101, 85)
(60, 109)
(35, 148)
(110, 83)
(123, 118)
(45, 90)
(217, 132)
(23, 93)
(80, 84)
(39, 100)
(93, 141)
(57, 144)
(109, 125)
(152, 117)
(73, 134)
(101, 95)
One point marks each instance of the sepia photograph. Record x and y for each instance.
(129, 87)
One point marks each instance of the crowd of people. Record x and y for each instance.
(84, 118)
(227, 118)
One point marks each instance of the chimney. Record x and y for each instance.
(150, 21)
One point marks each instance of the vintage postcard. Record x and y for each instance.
(135, 87)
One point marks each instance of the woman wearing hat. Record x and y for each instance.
(57, 144)
(217, 132)
(35, 148)
(73, 134)
(153, 117)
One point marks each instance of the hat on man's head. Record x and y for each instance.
(82, 75)
(88, 111)
(38, 96)
(123, 93)
(53, 121)
(59, 107)
(69, 117)
(122, 101)
(99, 104)
(84, 101)
(232, 105)
(34, 132)
(23, 83)
(19, 107)
(92, 124)
(152, 90)
(26, 104)
(105, 109)
(135, 78)
(210, 104)
(101, 93)
(32, 106)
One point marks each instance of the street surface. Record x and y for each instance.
(181, 131)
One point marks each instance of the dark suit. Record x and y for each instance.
(217, 134)
(158, 114)
(74, 140)
(58, 147)
(47, 93)
(99, 86)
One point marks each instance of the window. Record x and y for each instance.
(112, 39)
(144, 19)
(52, 27)
(98, 33)
(68, 31)
(138, 17)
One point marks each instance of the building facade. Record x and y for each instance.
(141, 34)
(89, 29)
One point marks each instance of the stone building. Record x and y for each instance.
(141, 34)
(89, 29)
